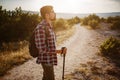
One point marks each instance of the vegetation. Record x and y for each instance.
(115, 21)
(92, 21)
(110, 47)
(10, 59)
(61, 24)
(115, 25)
(16, 25)
(112, 19)
(111, 50)
(93, 24)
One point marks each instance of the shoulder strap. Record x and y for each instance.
(46, 31)
(47, 34)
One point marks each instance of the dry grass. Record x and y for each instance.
(10, 59)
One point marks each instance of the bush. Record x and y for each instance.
(92, 20)
(16, 25)
(115, 25)
(113, 19)
(111, 46)
(61, 24)
(76, 20)
(109, 19)
(85, 21)
(93, 24)
(73, 21)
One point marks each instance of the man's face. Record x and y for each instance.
(52, 15)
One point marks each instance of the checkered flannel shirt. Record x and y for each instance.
(45, 44)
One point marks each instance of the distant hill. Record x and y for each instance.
(105, 15)
(71, 15)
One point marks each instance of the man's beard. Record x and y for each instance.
(54, 18)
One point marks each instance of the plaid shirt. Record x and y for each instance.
(45, 44)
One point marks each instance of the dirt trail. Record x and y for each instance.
(81, 48)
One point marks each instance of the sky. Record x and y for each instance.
(65, 6)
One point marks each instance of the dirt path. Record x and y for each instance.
(81, 48)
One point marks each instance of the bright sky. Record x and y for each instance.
(65, 6)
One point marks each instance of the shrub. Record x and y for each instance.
(109, 19)
(116, 25)
(70, 21)
(61, 24)
(93, 23)
(113, 19)
(85, 21)
(76, 20)
(111, 46)
(73, 21)
(102, 20)
(16, 25)
(92, 20)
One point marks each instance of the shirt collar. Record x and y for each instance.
(44, 22)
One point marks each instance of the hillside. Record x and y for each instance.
(81, 15)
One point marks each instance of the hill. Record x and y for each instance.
(81, 15)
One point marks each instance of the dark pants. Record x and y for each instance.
(48, 72)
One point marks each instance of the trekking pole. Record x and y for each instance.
(64, 54)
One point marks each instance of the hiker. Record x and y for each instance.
(45, 41)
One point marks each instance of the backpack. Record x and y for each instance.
(33, 50)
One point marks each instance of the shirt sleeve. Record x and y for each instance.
(40, 41)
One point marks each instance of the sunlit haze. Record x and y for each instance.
(65, 6)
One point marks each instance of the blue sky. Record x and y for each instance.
(65, 6)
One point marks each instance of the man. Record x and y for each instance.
(45, 42)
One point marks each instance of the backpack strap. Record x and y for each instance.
(46, 31)
(47, 34)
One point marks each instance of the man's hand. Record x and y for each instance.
(64, 50)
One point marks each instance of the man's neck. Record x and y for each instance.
(48, 21)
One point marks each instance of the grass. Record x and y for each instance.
(9, 59)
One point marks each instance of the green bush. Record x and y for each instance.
(73, 21)
(93, 23)
(70, 21)
(16, 25)
(109, 19)
(92, 20)
(102, 20)
(61, 24)
(110, 46)
(85, 21)
(76, 20)
(115, 25)
(113, 19)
